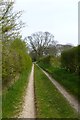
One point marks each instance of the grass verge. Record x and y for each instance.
(12, 99)
(50, 102)
(69, 80)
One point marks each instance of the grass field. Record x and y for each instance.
(12, 98)
(49, 101)
(69, 80)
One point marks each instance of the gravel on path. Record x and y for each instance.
(29, 104)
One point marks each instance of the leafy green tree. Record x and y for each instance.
(14, 50)
(9, 20)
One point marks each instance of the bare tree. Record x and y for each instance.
(51, 50)
(39, 42)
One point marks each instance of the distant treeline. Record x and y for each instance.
(70, 59)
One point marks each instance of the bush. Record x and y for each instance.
(15, 60)
(70, 59)
(50, 61)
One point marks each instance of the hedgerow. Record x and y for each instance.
(70, 59)
(15, 60)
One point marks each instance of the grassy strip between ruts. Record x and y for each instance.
(13, 98)
(69, 80)
(49, 101)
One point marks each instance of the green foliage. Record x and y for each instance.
(16, 63)
(10, 23)
(50, 61)
(14, 51)
(15, 60)
(49, 101)
(13, 98)
(69, 80)
(46, 60)
(70, 59)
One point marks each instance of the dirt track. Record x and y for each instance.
(29, 105)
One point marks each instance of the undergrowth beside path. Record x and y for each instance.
(50, 102)
(13, 98)
(69, 80)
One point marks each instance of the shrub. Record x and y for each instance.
(70, 59)
(15, 60)
(50, 61)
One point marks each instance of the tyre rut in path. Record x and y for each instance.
(29, 104)
(73, 102)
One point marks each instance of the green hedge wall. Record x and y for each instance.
(15, 60)
(70, 59)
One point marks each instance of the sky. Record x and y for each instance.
(59, 17)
